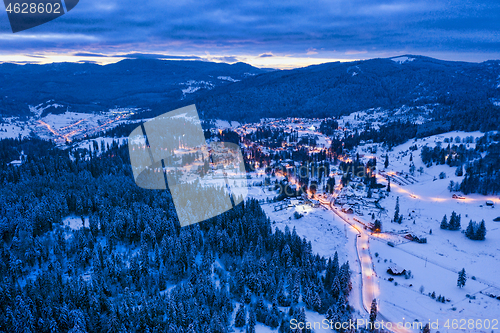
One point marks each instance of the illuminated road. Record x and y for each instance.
(79, 128)
(49, 128)
(369, 286)
(369, 278)
(398, 188)
(369, 281)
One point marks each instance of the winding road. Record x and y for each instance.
(369, 282)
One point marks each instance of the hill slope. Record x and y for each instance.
(464, 95)
(87, 87)
(334, 89)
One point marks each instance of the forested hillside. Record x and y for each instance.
(458, 95)
(129, 267)
(482, 175)
(88, 87)
(459, 92)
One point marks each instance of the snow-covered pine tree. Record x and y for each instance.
(444, 223)
(469, 232)
(345, 278)
(373, 311)
(396, 210)
(240, 319)
(462, 278)
(251, 322)
(336, 288)
(481, 231)
(454, 221)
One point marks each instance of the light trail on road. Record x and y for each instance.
(69, 136)
(69, 126)
(400, 189)
(49, 128)
(369, 280)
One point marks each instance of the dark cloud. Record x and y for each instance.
(17, 62)
(319, 28)
(266, 55)
(228, 59)
(155, 56)
(86, 54)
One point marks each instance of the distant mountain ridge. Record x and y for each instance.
(335, 89)
(87, 87)
(460, 94)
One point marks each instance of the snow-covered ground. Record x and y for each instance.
(434, 265)
(64, 127)
(402, 60)
(376, 117)
(193, 86)
(227, 78)
(224, 124)
(423, 202)
(74, 222)
(13, 129)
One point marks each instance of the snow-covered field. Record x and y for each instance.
(193, 86)
(376, 117)
(402, 60)
(12, 129)
(64, 127)
(434, 265)
(227, 78)
(423, 202)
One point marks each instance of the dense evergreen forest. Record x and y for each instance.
(483, 174)
(130, 267)
(459, 93)
(481, 164)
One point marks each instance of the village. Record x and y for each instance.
(379, 207)
(395, 210)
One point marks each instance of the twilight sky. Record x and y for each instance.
(265, 33)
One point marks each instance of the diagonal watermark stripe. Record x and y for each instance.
(204, 180)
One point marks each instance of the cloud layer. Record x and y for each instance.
(316, 28)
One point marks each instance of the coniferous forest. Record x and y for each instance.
(129, 267)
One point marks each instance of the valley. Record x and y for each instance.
(342, 219)
(401, 191)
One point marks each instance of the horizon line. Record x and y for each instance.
(267, 62)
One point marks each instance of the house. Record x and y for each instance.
(409, 237)
(347, 209)
(314, 203)
(415, 238)
(396, 270)
(491, 292)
